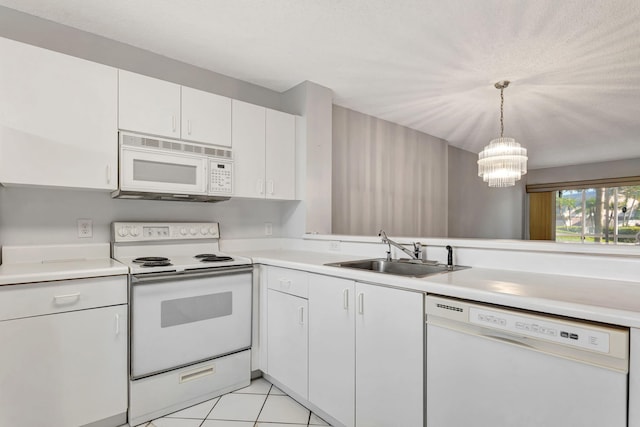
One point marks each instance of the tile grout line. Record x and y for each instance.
(255, 424)
(210, 411)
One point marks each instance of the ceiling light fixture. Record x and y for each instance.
(503, 161)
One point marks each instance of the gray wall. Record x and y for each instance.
(313, 186)
(475, 210)
(387, 176)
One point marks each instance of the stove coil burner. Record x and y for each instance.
(153, 261)
(213, 258)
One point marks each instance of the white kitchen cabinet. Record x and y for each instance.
(248, 135)
(58, 119)
(206, 117)
(263, 143)
(332, 346)
(389, 357)
(157, 107)
(66, 369)
(63, 360)
(147, 105)
(287, 340)
(286, 327)
(280, 159)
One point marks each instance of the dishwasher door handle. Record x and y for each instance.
(508, 338)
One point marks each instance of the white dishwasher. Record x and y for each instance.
(492, 367)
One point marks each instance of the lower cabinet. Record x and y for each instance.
(389, 357)
(332, 356)
(64, 369)
(366, 353)
(287, 340)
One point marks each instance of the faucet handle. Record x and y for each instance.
(417, 249)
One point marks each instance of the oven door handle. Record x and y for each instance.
(161, 277)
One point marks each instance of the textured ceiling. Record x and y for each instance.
(426, 64)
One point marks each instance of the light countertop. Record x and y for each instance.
(13, 274)
(610, 301)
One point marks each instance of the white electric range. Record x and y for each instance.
(190, 315)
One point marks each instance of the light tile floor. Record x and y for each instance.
(261, 404)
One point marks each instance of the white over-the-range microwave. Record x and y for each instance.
(163, 169)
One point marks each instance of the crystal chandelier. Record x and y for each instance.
(503, 161)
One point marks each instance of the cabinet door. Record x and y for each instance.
(389, 357)
(206, 117)
(147, 105)
(280, 155)
(248, 135)
(287, 340)
(332, 346)
(58, 119)
(63, 370)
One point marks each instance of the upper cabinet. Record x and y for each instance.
(148, 105)
(280, 159)
(263, 151)
(158, 107)
(58, 119)
(206, 117)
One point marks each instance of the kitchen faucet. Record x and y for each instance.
(449, 258)
(417, 247)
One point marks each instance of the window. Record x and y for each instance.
(605, 215)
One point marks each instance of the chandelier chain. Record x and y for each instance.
(501, 112)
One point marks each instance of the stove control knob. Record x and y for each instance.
(193, 231)
(123, 232)
(204, 230)
(212, 230)
(135, 231)
(183, 231)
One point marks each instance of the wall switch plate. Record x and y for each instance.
(268, 229)
(334, 246)
(85, 228)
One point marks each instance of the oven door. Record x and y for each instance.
(181, 319)
(158, 171)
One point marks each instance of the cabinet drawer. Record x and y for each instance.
(292, 282)
(34, 299)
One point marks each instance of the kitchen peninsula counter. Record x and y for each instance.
(609, 301)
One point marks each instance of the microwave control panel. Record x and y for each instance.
(221, 177)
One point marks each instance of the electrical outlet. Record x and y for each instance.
(85, 228)
(334, 246)
(268, 229)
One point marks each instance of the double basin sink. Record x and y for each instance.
(398, 267)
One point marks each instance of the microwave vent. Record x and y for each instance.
(217, 152)
(147, 142)
(139, 141)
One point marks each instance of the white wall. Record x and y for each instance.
(30, 216)
(612, 169)
(475, 209)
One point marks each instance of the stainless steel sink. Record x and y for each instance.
(397, 267)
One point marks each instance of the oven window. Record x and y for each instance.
(194, 309)
(145, 170)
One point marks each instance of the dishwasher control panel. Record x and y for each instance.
(563, 333)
